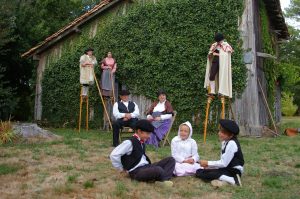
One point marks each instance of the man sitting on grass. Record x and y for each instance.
(130, 157)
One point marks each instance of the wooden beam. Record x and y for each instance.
(265, 55)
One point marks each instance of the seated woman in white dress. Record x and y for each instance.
(160, 115)
(185, 151)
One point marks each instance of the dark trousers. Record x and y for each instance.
(214, 174)
(159, 171)
(214, 68)
(120, 123)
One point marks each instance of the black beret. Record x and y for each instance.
(124, 92)
(88, 49)
(161, 92)
(230, 126)
(144, 125)
(219, 37)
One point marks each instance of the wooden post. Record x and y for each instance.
(209, 100)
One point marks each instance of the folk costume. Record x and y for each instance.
(87, 72)
(230, 166)
(182, 150)
(119, 110)
(164, 110)
(109, 67)
(218, 75)
(131, 156)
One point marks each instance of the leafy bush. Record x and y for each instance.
(162, 45)
(6, 132)
(288, 108)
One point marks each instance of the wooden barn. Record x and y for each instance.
(251, 110)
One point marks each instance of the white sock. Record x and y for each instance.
(212, 87)
(227, 179)
(85, 90)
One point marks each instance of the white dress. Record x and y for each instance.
(182, 150)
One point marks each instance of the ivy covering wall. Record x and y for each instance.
(270, 67)
(161, 45)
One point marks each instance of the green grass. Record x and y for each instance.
(9, 168)
(88, 184)
(79, 166)
(289, 122)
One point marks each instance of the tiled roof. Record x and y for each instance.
(69, 27)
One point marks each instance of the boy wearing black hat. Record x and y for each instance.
(126, 113)
(229, 168)
(130, 157)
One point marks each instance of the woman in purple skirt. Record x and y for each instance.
(160, 114)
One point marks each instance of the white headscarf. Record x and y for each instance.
(178, 138)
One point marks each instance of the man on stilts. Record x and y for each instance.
(218, 76)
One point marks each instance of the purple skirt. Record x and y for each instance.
(159, 133)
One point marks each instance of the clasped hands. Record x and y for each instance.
(154, 118)
(127, 117)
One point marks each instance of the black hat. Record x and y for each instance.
(161, 92)
(124, 92)
(219, 37)
(88, 49)
(144, 125)
(230, 126)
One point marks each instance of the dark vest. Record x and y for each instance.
(238, 158)
(130, 161)
(123, 109)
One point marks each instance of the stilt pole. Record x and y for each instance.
(209, 100)
(105, 110)
(80, 110)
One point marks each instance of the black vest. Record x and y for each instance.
(138, 150)
(238, 158)
(123, 109)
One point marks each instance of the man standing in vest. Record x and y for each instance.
(126, 113)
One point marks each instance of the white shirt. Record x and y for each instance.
(119, 115)
(160, 107)
(184, 149)
(125, 148)
(226, 157)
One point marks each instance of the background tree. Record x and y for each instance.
(290, 59)
(23, 24)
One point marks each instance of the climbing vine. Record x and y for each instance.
(270, 67)
(161, 45)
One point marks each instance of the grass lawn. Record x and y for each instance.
(78, 167)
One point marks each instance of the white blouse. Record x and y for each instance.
(160, 107)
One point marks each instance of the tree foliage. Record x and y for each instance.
(24, 24)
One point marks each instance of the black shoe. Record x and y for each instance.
(238, 180)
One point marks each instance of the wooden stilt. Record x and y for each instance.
(223, 107)
(113, 87)
(80, 110)
(209, 100)
(87, 113)
(105, 110)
